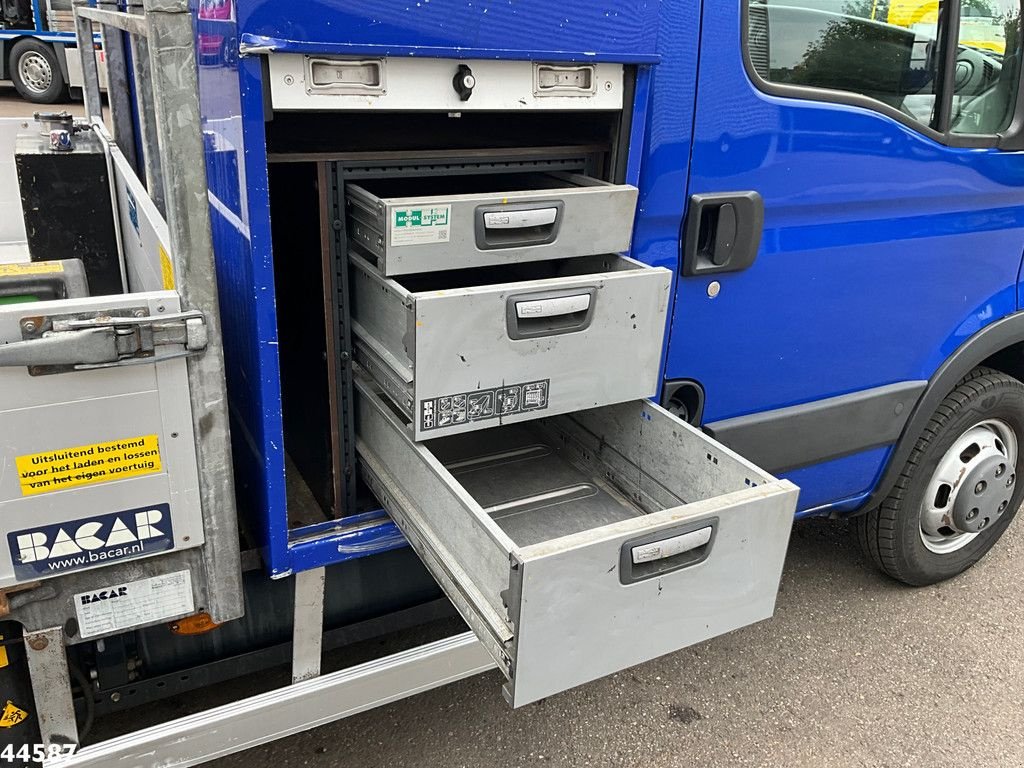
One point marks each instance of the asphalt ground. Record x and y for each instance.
(12, 105)
(854, 670)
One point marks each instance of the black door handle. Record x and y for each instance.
(722, 232)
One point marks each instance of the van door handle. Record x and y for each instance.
(722, 232)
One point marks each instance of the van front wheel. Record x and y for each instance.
(959, 489)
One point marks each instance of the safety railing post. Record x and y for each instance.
(175, 90)
(118, 95)
(90, 70)
(153, 173)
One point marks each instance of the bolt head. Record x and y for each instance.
(714, 288)
(980, 487)
(972, 514)
(29, 325)
(38, 643)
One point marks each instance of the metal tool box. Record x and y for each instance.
(424, 224)
(582, 544)
(469, 349)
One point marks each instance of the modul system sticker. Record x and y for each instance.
(421, 225)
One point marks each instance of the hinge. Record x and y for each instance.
(85, 341)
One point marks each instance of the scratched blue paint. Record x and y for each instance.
(605, 30)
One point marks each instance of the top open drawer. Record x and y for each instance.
(425, 224)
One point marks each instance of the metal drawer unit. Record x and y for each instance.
(461, 351)
(414, 225)
(580, 545)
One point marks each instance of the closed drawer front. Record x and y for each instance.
(415, 225)
(461, 351)
(579, 545)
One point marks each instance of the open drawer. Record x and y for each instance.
(464, 350)
(579, 545)
(425, 224)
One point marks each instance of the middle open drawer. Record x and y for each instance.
(468, 349)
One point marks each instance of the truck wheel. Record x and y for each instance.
(36, 72)
(958, 491)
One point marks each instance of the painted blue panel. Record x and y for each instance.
(849, 478)
(607, 30)
(665, 160)
(357, 536)
(241, 236)
(883, 250)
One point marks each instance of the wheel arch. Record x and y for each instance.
(999, 345)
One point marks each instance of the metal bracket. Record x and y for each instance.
(85, 341)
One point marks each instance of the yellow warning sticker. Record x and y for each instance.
(4, 661)
(36, 268)
(166, 269)
(88, 464)
(12, 715)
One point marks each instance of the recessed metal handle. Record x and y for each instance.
(562, 305)
(518, 225)
(663, 552)
(538, 217)
(676, 545)
(550, 313)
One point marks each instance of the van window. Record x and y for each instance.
(890, 51)
(987, 67)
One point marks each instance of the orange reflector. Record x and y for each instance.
(194, 625)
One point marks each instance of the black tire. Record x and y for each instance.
(890, 535)
(47, 86)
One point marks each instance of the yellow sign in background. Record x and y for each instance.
(88, 464)
(35, 268)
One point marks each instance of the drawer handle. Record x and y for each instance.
(550, 313)
(666, 548)
(518, 225)
(656, 554)
(536, 217)
(562, 305)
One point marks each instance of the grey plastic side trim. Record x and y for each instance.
(788, 438)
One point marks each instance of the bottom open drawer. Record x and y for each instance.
(579, 545)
